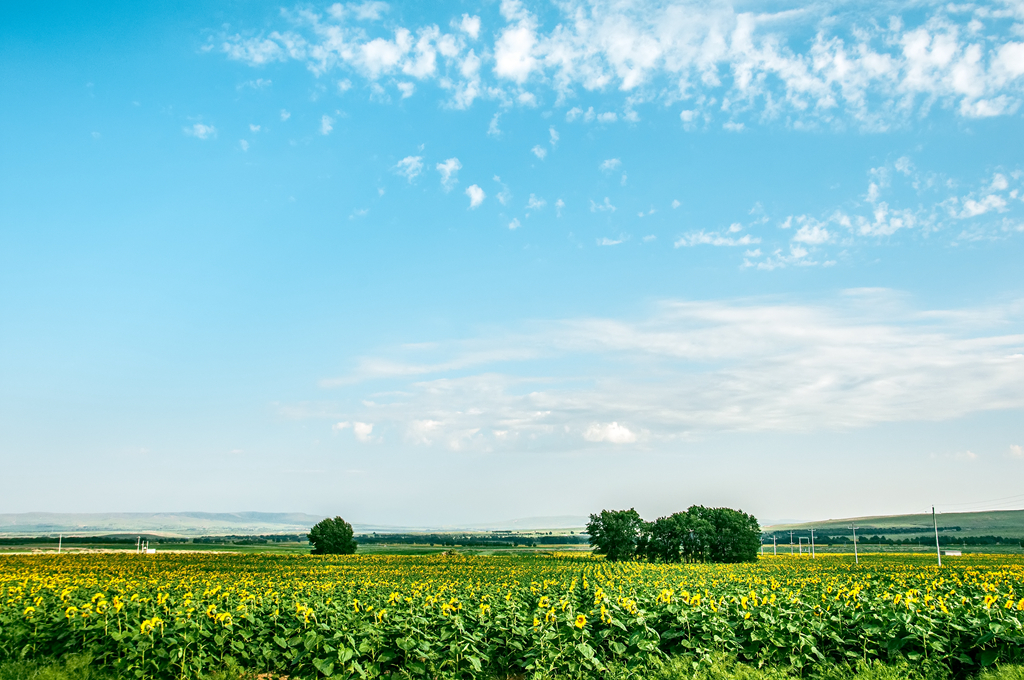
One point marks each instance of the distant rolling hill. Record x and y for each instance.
(162, 523)
(185, 524)
(1008, 523)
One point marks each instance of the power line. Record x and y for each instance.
(1005, 500)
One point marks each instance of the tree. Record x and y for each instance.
(332, 537)
(615, 533)
(698, 535)
(724, 534)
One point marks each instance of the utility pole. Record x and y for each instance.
(138, 545)
(856, 559)
(938, 551)
(791, 542)
(775, 545)
(812, 542)
(60, 539)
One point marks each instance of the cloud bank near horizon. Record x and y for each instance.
(692, 368)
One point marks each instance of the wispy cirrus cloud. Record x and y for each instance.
(861, 358)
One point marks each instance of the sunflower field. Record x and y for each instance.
(179, 615)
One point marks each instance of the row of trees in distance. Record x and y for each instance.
(698, 535)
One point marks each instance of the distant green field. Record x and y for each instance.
(998, 523)
(284, 548)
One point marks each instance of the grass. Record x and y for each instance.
(77, 667)
(725, 668)
(81, 667)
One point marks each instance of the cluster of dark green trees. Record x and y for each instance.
(698, 535)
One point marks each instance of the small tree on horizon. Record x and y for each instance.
(332, 537)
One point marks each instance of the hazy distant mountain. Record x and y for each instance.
(168, 523)
(533, 523)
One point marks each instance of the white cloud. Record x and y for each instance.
(476, 196)
(675, 204)
(713, 238)
(409, 167)
(721, 59)
(380, 56)
(539, 151)
(503, 196)
(559, 204)
(285, 115)
(553, 134)
(200, 131)
(857, 359)
(733, 127)
(514, 224)
(258, 84)
(609, 432)
(326, 124)
(254, 128)
(513, 52)
(407, 89)
(609, 164)
(493, 128)
(813, 233)
(470, 25)
(535, 203)
(603, 207)
(344, 85)
(449, 169)
(605, 241)
(243, 145)
(973, 208)
(370, 11)
(745, 67)
(363, 431)
(1016, 450)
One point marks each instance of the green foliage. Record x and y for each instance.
(615, 533)
(724, 667)
(169, 617)
(724, 535)
(700, 534)
(332, 537)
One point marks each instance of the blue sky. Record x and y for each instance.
(472, 261)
